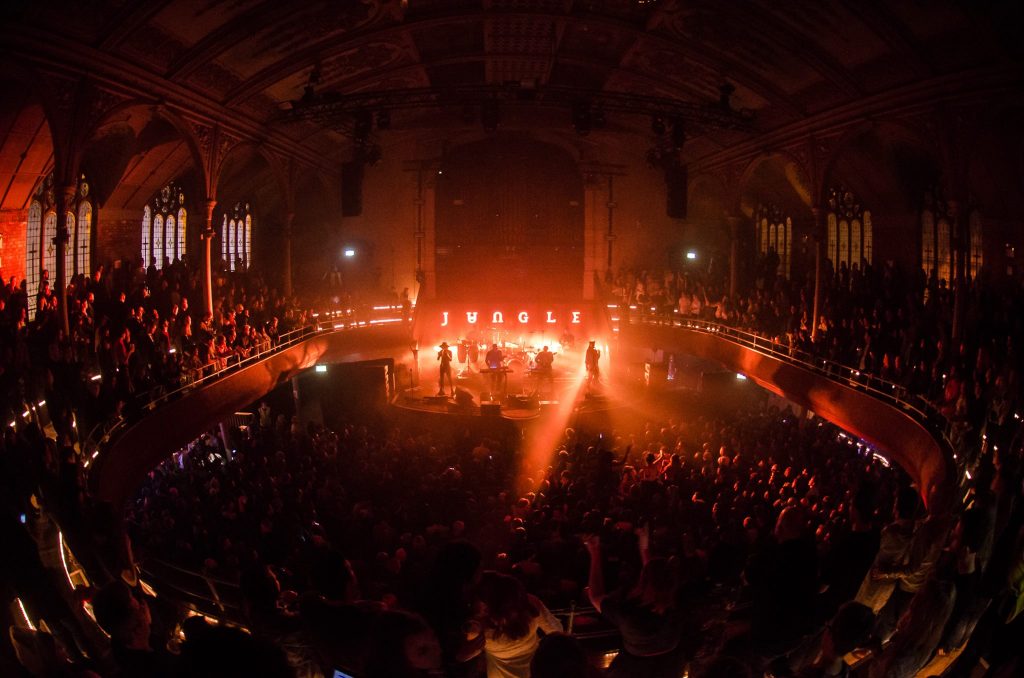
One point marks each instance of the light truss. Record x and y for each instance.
(338, 111)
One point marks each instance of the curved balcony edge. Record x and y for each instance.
(124, 461)
(925, 457)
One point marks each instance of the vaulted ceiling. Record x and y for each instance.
(786, 60)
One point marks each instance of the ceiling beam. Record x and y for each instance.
(893, 32)
(363, 79)
(228, 36)
(130, 18)
(34, 46)
(332, 46)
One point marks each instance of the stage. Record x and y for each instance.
(520, 391)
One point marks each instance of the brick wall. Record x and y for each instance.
(12, 253)
(117, 235)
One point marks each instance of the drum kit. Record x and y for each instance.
(518, 358)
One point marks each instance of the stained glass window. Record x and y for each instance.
(927, 242)
(181, 233)
(147, 233)
(158, 241)
(248, 240)
(844, 242)
(69, 248)
(83, 240)
(224, 240)
(32, 254)
(165, 240)
(868, 238)
(240, 246)
(41, 251)
(854, 243)
(943, 249)
(775, 234)
(171, 237)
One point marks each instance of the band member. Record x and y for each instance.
(545, 373)
(593, 371)
(445, 358)
(496, 363)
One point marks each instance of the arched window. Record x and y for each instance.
(944, 251)
(850, 240)
(33, 253)
(868, 239)
(41, 229)
(83, 239)
(775, 235)
(69, 249)
(163, 237)
(180, 249)
(171, 237)
(147, 233)
(976, 258)
(927, 242)
(236, 238)
(49, 249)
(158, 242)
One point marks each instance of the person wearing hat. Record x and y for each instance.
(593, 371)
(445, 357)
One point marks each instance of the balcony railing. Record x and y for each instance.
(897, 395)
(326, 322)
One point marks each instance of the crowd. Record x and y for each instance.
(764, 542)
(878, 320)
(702, 543)
(133, 330)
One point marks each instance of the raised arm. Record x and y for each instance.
(595, 583)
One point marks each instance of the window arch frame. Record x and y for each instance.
(163, 218)
(854, 237)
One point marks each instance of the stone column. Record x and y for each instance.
(60, 240)
(288, 219)
(207, 236)
(818, 213)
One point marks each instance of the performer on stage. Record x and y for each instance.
(593, 371)
(545, 373)
(496, 364)
(445, 357)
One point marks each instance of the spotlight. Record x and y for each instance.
(657, 126)
(321, 369)
(349, 252)
(490, 116)
(691, 255)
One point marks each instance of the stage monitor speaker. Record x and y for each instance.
(463, 398)
(675, 190)
(351, 189)
(490, 409)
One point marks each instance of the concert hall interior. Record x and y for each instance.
(511, 338)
